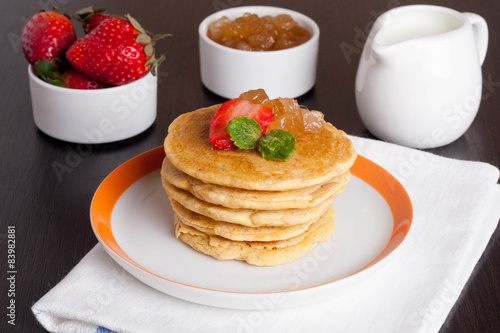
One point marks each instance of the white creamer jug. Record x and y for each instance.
(419, 80)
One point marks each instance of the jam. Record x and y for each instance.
(253, 33)
(288, 115)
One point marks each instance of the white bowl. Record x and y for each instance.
(229, 72)
(94, 116)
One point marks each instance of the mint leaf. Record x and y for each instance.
(245, 132)
(277, 145)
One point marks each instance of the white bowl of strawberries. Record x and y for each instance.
(99, 88)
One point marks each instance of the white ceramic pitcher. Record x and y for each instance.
(419, 79)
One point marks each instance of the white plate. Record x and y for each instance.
(132, 218)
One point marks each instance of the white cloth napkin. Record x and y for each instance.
(456, 210)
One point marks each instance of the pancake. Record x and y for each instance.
(235, 231)
(247, 217)
(230, 197)
(257, 253)
(319, 157)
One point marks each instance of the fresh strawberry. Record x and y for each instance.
(219, 135)
(94, 21)
(58, 72)
(117, 51)
(74, 79)
(91, 17)
(45, 35)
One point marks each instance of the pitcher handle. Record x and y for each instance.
(480, 28)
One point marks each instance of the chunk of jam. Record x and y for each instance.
(288, 114)
(253, 33)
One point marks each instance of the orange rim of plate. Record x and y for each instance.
(116, 183)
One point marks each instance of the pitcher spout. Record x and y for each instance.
(412, 25)
(382, 52)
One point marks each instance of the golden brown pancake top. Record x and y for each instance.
(319, 157)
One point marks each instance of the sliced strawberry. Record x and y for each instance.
(219, 136)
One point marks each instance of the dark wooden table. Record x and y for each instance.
(51, 215)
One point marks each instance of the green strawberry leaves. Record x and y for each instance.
(148, 39)
(84, 14)
(246, 133)
(50, 71)
(47, 69)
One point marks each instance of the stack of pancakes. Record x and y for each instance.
(234, 204)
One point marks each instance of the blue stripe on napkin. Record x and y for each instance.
(101, 329)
